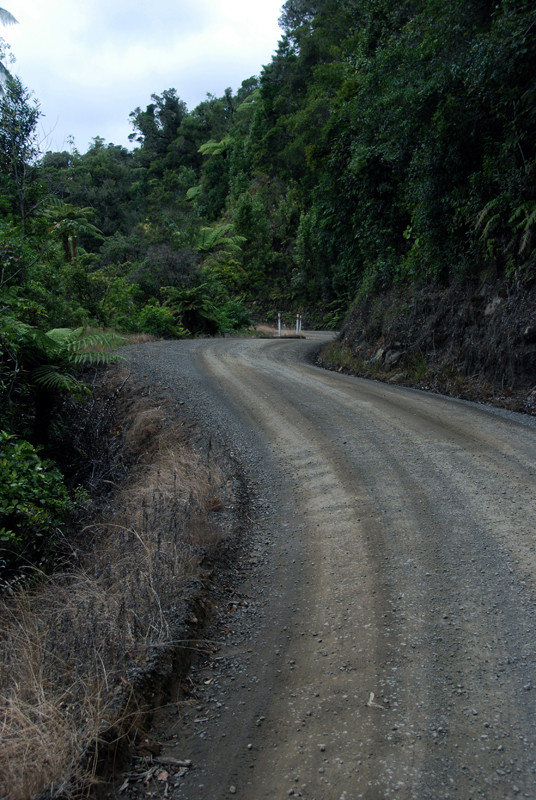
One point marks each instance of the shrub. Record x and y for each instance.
(158, 320)
(34, 501)
(234, 316)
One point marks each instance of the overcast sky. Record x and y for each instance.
(91, 62)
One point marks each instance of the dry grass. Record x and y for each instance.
(271, 332)
(71, 647)
(48, 715)
(140, 338)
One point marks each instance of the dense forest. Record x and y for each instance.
(385, 145)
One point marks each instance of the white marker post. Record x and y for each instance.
(279, 324)
(297, 324)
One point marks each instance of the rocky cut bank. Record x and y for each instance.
(470, 340)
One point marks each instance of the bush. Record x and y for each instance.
(158, 320)
(34, 501)
(234, 316)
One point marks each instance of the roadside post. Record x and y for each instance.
(279, 323)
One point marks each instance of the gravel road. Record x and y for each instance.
(381, 642)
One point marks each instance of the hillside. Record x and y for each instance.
(474, 341)
(377, 177)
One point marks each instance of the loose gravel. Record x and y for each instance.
(376, 635)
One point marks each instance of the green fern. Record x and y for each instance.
(49, 377)
(46, 362)
(527, 214)
(220, 237)
(488, 221)
(86, 348)
(212, 148)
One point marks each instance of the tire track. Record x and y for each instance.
(409, 524)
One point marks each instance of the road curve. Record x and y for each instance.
(389, 649)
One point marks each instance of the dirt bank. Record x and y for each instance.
(475, 341)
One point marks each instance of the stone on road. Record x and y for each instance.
(387, 648)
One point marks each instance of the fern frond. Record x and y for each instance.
(488, 220)
(212, 148)
(95, 357)
(13, 327)
(100, 340)
(193, 192)
(220, 236)
(6, 18)
(63, 336)
(49, 377)
(83, 344)
(527, 213)
(37, 346)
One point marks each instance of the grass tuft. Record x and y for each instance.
(73, 644)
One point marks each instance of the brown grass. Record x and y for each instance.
(271, 332)
(139, 338)
(71, 647)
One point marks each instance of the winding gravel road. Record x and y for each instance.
(383, 642)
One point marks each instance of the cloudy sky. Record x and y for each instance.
(91, 62)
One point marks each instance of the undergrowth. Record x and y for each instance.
(71, 644)
(417, 372)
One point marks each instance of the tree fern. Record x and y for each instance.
(220, 237)
(46, 362)
(213, 148)
(527, 214)
(6, 18)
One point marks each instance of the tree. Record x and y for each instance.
(47, 362)
(6, 18)
(157, 127)
(68, 222)
(19, 147)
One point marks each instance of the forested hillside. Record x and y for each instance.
(377, 176)
(384, 144)
(386, 147)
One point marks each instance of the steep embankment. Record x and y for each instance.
(472, 341)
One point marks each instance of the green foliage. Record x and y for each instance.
(382, 145)
(220, 238)
(34, 502)
(159, 320)
(234, 316)
(207, 309)
(120, 302)
(213, 148)
(195, 307)
(45, 364)
(19, 149)
(68, 222)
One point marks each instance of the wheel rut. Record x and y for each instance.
(389, 642)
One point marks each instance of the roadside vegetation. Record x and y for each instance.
(386, 152)
(80, 647)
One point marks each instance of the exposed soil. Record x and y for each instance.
(373, 632)
(475, 341)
